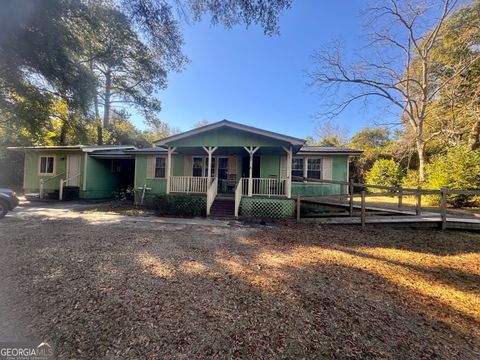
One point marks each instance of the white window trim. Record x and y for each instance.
(155, 167)
(305, 166)
(54, 165)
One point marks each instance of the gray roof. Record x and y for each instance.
(153, 150)
(329, 150)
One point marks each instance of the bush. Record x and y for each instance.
(385, 173)
(459, 168)
(411, 180)
(178, 205)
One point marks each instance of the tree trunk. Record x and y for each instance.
(421, 160)
(63, 133)
(106, 106)
(474, 138)
(97, 114)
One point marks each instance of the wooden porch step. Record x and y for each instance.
(223, 208)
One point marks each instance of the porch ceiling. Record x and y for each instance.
(230, 150)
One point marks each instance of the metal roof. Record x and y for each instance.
(329, 150)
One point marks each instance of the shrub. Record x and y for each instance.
(411, 180)
(384, 172)
(459, 168)
(178, 205)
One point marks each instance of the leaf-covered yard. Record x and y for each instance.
(145, 290)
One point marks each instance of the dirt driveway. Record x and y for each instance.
(104, 288)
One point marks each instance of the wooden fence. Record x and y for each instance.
(399, 192)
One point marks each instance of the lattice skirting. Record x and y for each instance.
(267, 207)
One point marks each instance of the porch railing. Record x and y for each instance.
(211, 193)
(63, 183)
(238, 197)
(44, 181)
(265, 187)
(188, 184)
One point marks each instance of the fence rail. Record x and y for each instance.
(391, 191)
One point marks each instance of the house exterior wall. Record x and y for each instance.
(227, 137)
(101, 181)
(158, 186)
(31, 183)
(339, 173)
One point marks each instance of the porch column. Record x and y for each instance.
(170, 151)
(251, 150)
(209, 151)
(289, 171)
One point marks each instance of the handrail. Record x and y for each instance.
(211, 193)
(43, 181)
(238, 197)
(63, 182)
(188, 184)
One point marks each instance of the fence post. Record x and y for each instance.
(443, 205)
(298, 208)
(400, 197)
(418, 207)
(362, 210)
(350, 191)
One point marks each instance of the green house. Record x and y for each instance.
(237, 169)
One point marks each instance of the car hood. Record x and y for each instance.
(6, 191)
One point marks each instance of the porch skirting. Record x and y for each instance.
(273, 208)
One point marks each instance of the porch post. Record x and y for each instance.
(170, 150)
(251, 150)
(209, 151)
(289, 171)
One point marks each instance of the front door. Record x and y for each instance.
(73, 168)
(222, 173)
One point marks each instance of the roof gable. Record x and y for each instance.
(229, 133)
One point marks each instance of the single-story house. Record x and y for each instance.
(235, 167)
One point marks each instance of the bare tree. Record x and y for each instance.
(397, 66)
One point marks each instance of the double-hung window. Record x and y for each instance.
(159, 167)
(314, 170)
(47, 165)
(297, 167)
(197, 166)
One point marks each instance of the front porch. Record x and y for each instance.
(222, 170)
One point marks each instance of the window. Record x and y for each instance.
(47, 164)
(212, 170)
(314, 170)
(297, 167)
(160, 167)
(197, 166)
(223, 168)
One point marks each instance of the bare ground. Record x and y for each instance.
(150, 290)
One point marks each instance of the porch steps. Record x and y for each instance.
(223, 208)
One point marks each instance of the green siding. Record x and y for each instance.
(339, 173)
(269, 166)
(32, 178)
(227, 137)
(101, 182)
(158, 186)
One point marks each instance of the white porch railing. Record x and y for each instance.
(43, 182)
(238, 197)
(62, 184)
(265, 187)
(188, 184)
(211, 193)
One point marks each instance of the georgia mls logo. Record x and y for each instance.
(26, 351)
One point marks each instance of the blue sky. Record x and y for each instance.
(244, 76)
